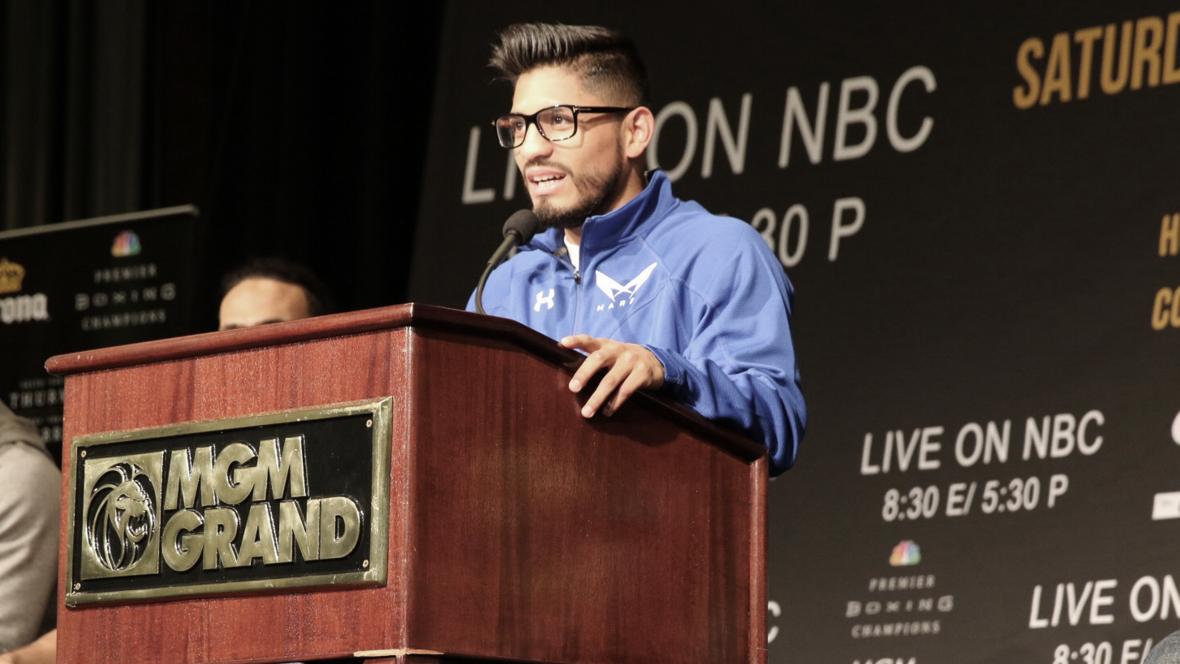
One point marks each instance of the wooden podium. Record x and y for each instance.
(517, 530)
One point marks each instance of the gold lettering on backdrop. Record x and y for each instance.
(1170, 235)
(1114, 81)
(1165, 308)
(1135, 54)
(1166, 311)
(1057, 73)
(1148, 40)
(1085, 39)
(1171, 64)
(1024, 98)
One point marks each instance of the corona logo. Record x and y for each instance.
(24, 308)
(121, 518)
(11, 276)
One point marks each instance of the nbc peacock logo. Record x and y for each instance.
(906, 554)
(125, 244)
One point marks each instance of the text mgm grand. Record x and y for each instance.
(274, 525)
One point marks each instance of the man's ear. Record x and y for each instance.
(638, 128)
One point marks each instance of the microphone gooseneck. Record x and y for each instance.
(518, 230)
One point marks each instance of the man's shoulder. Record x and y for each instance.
(29, 480)
(22, 461)
(710, 253)
(691, 230)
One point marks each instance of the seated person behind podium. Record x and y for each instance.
(270, 290)
(29, 497)
(660, 293)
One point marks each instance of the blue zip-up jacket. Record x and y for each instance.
(704, 293)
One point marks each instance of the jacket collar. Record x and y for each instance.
(603, 231)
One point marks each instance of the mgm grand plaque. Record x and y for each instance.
(255, 504)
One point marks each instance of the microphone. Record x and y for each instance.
(1166, 651)
(518, 230)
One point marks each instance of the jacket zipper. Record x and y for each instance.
(563, 257)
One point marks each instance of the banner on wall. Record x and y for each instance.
(980, 210)
(89, 284)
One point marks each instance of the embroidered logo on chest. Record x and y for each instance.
(620, 295)
(545, 299)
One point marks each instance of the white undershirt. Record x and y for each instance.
(573, 250)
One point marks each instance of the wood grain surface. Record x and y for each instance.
(540, 535)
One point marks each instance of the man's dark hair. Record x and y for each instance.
(319, 298)
(604, 58)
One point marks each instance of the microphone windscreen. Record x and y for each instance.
(1166, 651)
(524, 224)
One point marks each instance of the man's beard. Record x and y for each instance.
(603, 190)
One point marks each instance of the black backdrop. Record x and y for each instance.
(296, 128)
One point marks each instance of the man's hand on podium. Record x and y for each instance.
(629, 367)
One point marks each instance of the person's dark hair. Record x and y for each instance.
(604, 58)
(319, 298)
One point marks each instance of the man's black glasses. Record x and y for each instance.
(556, 123)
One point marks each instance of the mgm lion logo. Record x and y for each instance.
(121, 517)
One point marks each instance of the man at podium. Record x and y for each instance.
(660, 293)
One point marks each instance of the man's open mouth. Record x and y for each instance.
(546, 181)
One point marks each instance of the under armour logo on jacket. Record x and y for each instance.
(614, 289)
(545, 299)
